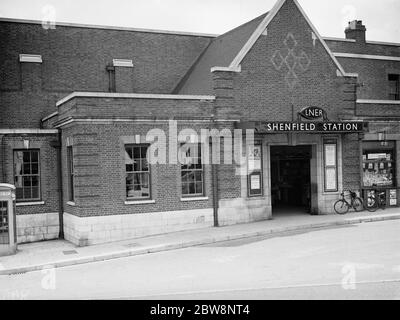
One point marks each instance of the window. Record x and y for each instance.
(254, 167)
(4, 222)
(378, 165)
(394, 87)
(27, 175)
(70, 163)
(192, 175)
(137, 172)
(330, 166)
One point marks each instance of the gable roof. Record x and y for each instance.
(221, 51)
(225, 55)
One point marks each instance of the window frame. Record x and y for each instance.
(259, 172)
(380, 149)
(140, 145)
(331, 142)
(199, 156)
(39, 175)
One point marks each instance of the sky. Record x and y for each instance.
(382, 18)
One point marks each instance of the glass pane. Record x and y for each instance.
(26, 156)
(35, 168)
(136, 165)
(144, 165)
(136, 152)
(128, 156)
(199, 175)
(191, 176)
(129, 178)
(35, 181)
(199, 187)
(27, 168)
(185, 188)
(129, 191)
(27, 181)
(35, 193)
(192, 188)
(27, 193)
(129, 152)
(143, 153)
(330, 179)
(145, 180)
(129, 167)
(136, 178)
(34, 156)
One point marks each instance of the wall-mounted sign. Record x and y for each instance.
(313, 113)
(306, 127)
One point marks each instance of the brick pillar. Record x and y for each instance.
(223, 90)
(351, 162)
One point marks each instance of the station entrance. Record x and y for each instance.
(291, 178)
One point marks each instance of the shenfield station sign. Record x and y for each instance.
(306, 127)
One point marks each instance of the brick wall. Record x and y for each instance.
(48, 169)
(75, 59)
(262, 89)
(373, 75)
(100, 172)
(351, 162)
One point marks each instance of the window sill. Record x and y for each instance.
(71, 203)
(33, 203)
(137, 202)
(194, 199)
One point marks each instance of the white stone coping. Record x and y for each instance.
(28, 131)
(228, 69)
(50, 116)
(91, 26)
(138, 202)
(194, 199)
(7, 185)
(127, 63)
(132, 96)
(384, 43)
(33, 58)
(71, 203)
(33, 203)
(338, 39)
(365, 56)
(369, 101)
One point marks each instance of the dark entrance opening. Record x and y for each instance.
(291, 179)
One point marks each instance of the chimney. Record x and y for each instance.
(356, 30)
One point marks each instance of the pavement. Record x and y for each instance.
(61, 253)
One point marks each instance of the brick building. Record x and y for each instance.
(81, 105)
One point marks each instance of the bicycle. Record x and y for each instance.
(342, 206)
(373, 203)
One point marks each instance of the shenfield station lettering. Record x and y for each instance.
(346, 127)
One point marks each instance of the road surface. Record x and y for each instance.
(352, 262)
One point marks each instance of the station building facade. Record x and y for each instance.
(81, 107)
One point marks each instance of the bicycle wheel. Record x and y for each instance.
(341, 207)
(371, 205)
(358, 204)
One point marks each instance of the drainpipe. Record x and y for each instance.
(57, 145)
(214, 172)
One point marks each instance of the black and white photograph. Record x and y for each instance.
(199, 156)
